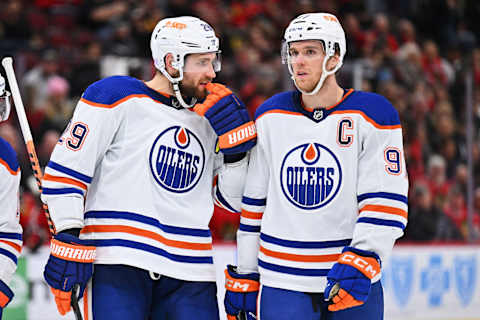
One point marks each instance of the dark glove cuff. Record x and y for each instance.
(232, 271)
(231, 158)
(74, 232)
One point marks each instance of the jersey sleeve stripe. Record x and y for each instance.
(300, 257)
(254, 202)
(382, 222)
(12, 171)
(11, 235)
(9, 255)
(221, 199)
(147, 220)
(251, 215)
(75, 174)
(305, 244)
(384, 209)
(48, 177)
(248, 228)
(15, 246)
(291, 270)
(385, 195)
(61, 191)
(147, 234)
(150, 249)
(370, 120)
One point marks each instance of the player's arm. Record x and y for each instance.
(242, 282)
(10, 229)
(230, 179)
(67, 179)
(382, 188)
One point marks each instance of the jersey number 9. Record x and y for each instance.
(78, 133)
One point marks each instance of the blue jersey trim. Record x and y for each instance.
(8, 254)
(384, 195)
(254, 202)
(248, 228)
(294, 271)
(147, 220)
(382, 222)
(11, 235)
(70, 172)
(8, 155)
(151, 249)
(61, 191)
(222, 200)
(305, 244)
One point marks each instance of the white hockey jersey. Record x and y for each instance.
(136, 173)
(320, 180)
(10, 229)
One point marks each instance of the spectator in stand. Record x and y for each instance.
(438, 184)
(437, 70)
(35, 87)
(58, 108)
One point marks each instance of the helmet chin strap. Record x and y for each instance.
(178, 94)
(176, 88)
(324, 76)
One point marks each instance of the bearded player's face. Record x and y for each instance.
(198, 72)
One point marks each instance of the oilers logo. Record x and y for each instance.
(310, 176)
(177, 159)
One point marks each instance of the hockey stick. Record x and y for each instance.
(27, 137)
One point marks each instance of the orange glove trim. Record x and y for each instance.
(217, 92)
(367, 265)
(237, 136)
(62, 299)
(343, 300)
(77, 253)
(230, 317)
(240, 285)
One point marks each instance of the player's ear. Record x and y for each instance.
(169, 65)
(332, 62)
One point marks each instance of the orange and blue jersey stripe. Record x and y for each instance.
(13, 240)
(311, 258)
(168, 240)
(383, 209)
(62, 180)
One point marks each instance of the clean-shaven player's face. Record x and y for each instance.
(198, 72)
(306, 58)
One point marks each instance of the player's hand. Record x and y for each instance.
(349, 280)
(241, 294)
(70, 263)
(6, 295)
(229, 118)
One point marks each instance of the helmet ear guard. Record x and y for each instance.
(324, 27)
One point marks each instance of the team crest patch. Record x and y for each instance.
(177, 159)
(310, 176)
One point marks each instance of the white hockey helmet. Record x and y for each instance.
(181, 36)
(4, 101)
(316, 26)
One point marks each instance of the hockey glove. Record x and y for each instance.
(351, 275)
(229, 118)
(241, 294)
(70, 263)
(6, 296)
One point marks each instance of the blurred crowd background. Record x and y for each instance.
(417, 53)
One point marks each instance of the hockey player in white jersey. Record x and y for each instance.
(129, 185)
(326, 191)
(10, 229)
